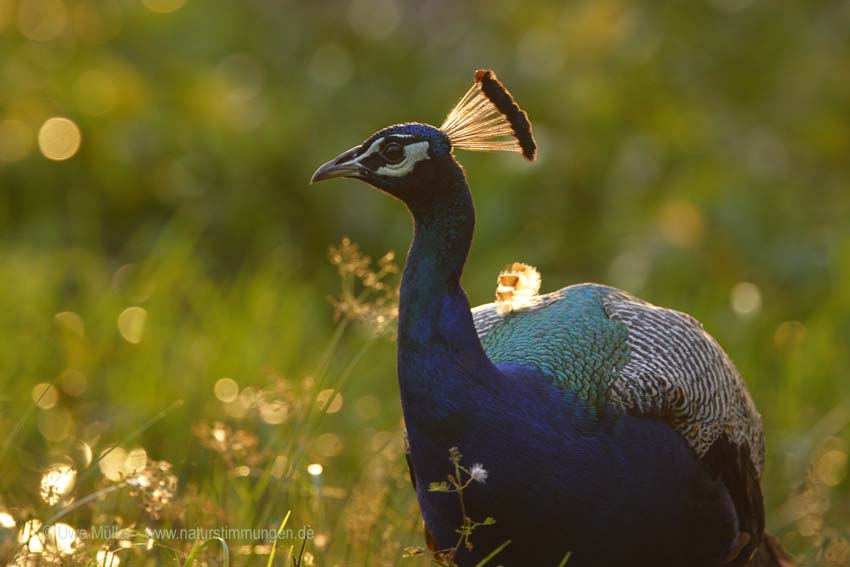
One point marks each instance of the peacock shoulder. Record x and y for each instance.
(566, 334)
(609, 346)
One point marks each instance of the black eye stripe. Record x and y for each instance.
(367, 145)
(373, 162)
(378, 158)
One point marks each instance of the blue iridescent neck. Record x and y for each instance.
(444, 221)
(439, 354)
(441, 364)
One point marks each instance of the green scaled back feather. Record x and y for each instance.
(572, 340)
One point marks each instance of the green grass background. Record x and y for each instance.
(684, 148)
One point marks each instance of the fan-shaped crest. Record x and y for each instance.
(488, 119)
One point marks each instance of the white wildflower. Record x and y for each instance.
(478, 473)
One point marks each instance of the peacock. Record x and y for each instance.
(613, 432)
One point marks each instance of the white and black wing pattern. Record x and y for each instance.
(678, 371)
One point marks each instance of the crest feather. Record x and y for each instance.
(487, 118)
(518, 283)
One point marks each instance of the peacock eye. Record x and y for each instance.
(393, 152)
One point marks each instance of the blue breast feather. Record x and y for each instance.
(610, 488)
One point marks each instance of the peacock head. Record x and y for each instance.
(405, 159)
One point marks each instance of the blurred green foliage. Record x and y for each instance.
(694, 153)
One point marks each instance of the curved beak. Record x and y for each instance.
(344, 165)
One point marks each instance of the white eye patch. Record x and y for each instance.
(375, 146)
(372, 149)
(414, 153)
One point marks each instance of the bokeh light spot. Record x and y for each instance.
(680, 223)
(42, 20)
(32, 537)
(789, 334)
(321, 541)
(82, 454)
(315, 469)
(70, 321)
(329, 444)
(112, 464)
(136, 460)
(57, 482)
(107, 558)
(131, 324)
(56, 424)
(831, 467)
(279, 466)
(248, 397)
(163, 6)
(73, 382)
(226, 390)
(333, 405)
(219, 433)
(62, 537)
(59, 138)
(45, 396)
(745, 298)
(6, 520)
(273, 412)
(367, 407)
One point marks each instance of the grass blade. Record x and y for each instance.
(493, 554)
(276, 539)
(197, 549)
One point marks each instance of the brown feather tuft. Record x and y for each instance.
(517, 284)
